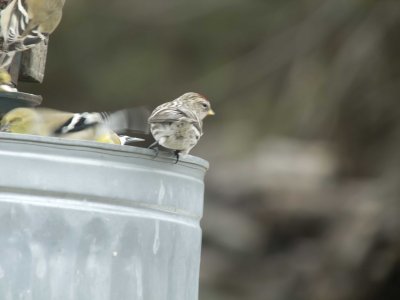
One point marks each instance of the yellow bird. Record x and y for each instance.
(26, 23)
(51, 122)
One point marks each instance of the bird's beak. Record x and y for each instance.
(211, 112)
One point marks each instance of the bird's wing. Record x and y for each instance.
(79, 122)
(168, 115)
(165, 115)
(127, 119)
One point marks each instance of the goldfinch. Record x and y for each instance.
(178, 125)
(51, 122)
(25, 23)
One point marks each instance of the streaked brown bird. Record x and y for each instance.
(178, 124)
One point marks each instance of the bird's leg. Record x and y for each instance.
(176, 152)
(155, 147)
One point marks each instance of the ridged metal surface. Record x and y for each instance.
(9, 101)
(82, 220)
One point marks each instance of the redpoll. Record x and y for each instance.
(177, 125)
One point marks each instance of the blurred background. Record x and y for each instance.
(302, 196)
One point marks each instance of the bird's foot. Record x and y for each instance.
(176, 153)
(154, 146)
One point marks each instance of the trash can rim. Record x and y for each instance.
(188, 160)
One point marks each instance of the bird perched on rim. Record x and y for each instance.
(178, 125)
(25, 23)
(82, 126)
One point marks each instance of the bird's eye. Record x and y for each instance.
(205, 105)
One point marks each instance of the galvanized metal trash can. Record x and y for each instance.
(87, 221)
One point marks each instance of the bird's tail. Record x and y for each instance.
(125, 140)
